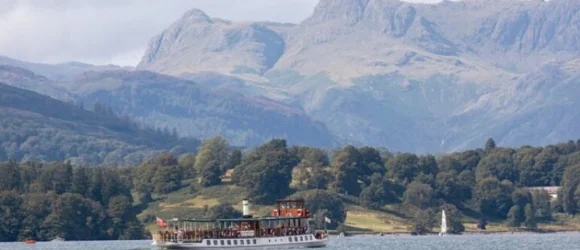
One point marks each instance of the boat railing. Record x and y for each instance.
(199, 235)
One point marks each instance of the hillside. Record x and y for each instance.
(196, 111)
(37, 127)
(402, 75)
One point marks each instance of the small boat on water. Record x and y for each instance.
(30, 242)
(443, 224)
(57, 239)
(288, 226)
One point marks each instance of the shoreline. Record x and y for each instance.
(382, 234)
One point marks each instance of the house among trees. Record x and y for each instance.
(551, 190)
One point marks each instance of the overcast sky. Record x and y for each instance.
(117, 31)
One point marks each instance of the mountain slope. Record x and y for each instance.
(413, 77)
(165, 101)
(36, 127)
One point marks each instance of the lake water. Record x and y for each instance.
(564, 241)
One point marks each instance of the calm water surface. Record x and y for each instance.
(562, 241)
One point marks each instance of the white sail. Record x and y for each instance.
(443, 223)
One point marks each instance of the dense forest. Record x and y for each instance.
(34, 127)
(46, 200)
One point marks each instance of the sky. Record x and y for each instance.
(117, 31)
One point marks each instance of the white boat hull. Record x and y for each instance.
(308, 241)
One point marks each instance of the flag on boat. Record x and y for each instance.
(327, 220)
(161, 223)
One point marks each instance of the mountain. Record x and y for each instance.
(58, 72)
(195, 111)
(25, 79)
(38, 128)
(412, 77)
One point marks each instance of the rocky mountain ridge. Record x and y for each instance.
(413, 77)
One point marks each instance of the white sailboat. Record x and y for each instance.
(443, 224)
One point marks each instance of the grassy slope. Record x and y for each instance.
(183, 204)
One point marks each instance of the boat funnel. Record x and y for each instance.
(246, 208)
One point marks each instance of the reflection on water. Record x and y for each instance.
(468, 242)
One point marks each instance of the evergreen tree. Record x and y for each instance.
(80, 181)
(489, 145)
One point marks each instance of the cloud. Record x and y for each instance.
(116, 31)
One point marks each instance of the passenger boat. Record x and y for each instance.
(288, 226)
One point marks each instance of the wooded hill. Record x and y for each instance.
(38, 128)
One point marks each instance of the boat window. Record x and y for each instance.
(241, 242)
(301, 239)
(222, 242)
(235, 242)
(229, 242)
(248, 242)
(208, 242)
(215, 242)
(310, 237)
(290, 239)
(295, 238)
(254, 241)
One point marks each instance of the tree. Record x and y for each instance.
(318, 178)
(213, 149)
(514, 217)
(498, 163)
(449, 189)
(419, 195)
(482, 223)
(493, 198)
(210, 174)
(10, 177)
(266, 172)
(234, 159)
(489, 145)
(423, 222)
(378, 193)
(570, 186)
(372, 162)
(542, 204)
(73, 211)
(403, 167)
(325, 204)
(346, 166)
(160, 175)
(80, 181)
(187, 163)
(530, 217)
(10, 215)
